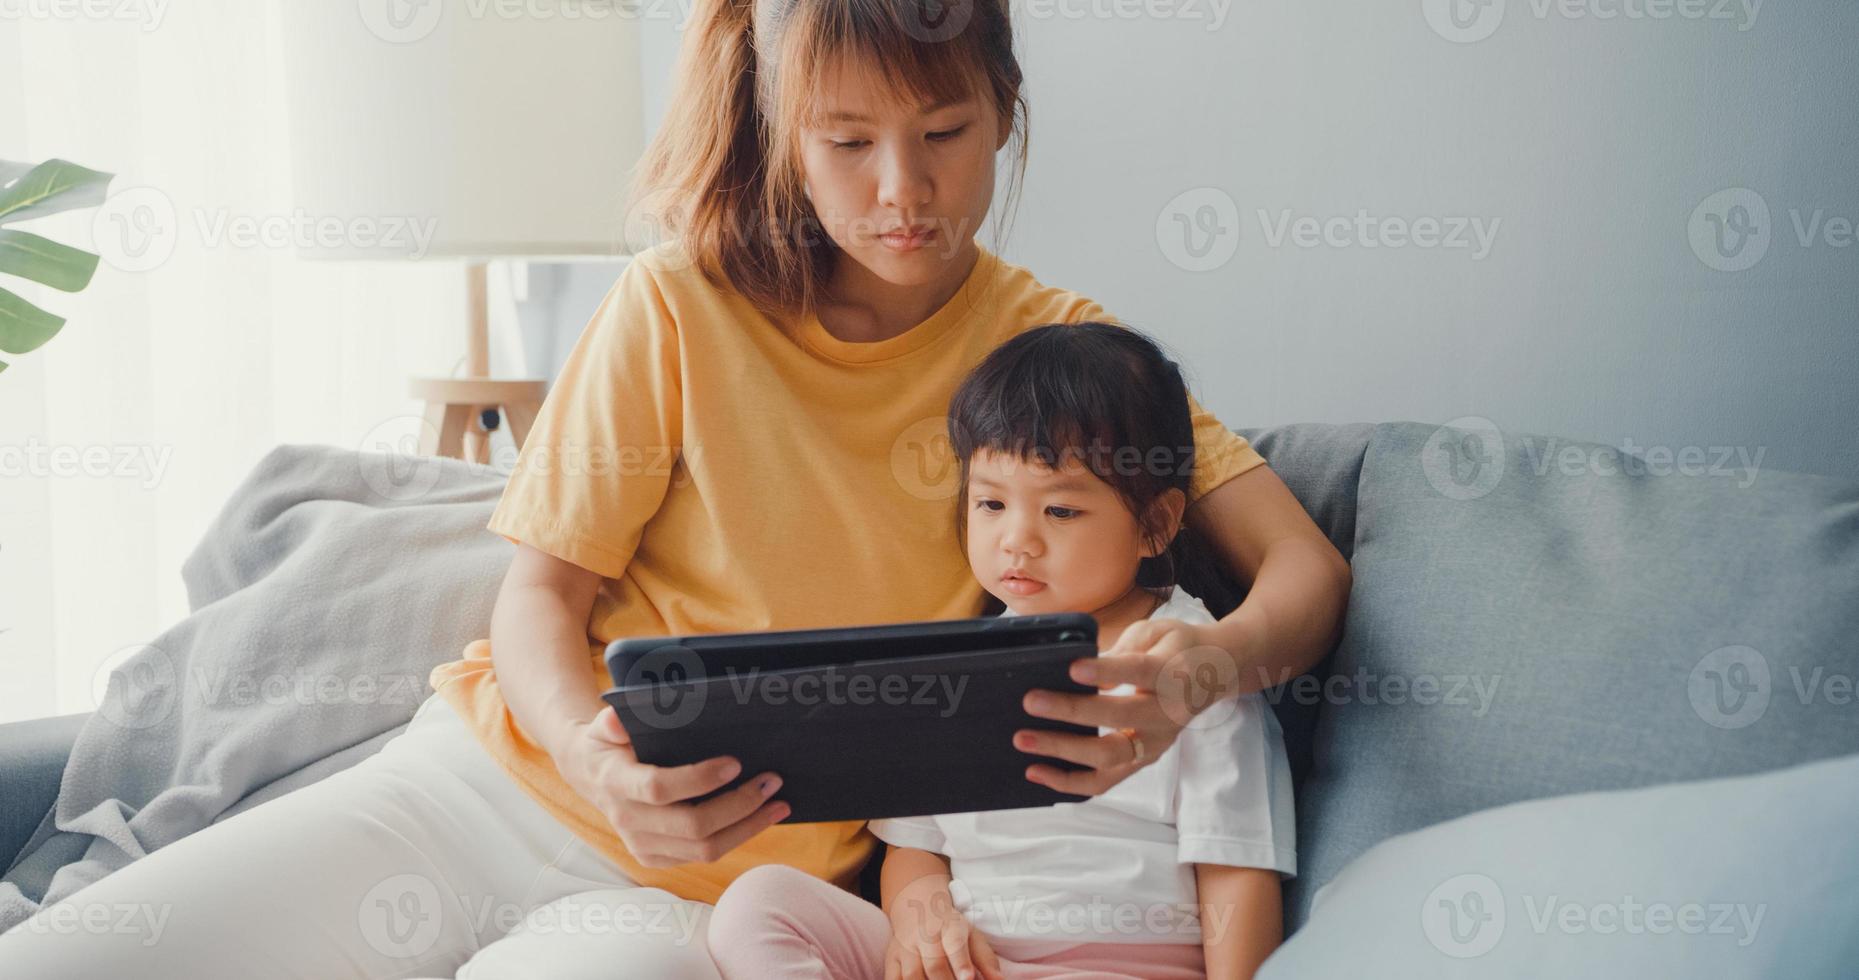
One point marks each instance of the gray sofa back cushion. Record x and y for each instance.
(1530, 620)
(1320, 464)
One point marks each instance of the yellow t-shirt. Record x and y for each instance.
(724, 472)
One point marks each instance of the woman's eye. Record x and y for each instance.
(988, 505)
(947, 134)
(851, 145)
(1062, 513)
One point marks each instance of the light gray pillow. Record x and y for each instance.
(1751, 876)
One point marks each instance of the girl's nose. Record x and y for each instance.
(1017, 540)
(904, 184)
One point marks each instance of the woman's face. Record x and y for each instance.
(1065, 530)
(877, 172)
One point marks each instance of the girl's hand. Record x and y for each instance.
(644, 802)
(1177, 672)
(932, 940)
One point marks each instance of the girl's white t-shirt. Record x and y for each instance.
(1119, 867)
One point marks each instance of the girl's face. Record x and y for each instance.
(1045, 540)
(877, 172)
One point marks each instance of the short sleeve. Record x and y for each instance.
(1233, 794)
(918, 832)
(1220, 454)
(598, 459)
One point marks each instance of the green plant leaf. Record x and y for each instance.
(10, 169)
(51, 187)
(23, 326)
(42, 260)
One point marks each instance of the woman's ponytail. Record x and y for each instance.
(700, 179)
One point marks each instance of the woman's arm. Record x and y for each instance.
(1242, 918)
(1297, 582)
(1298, 588)
(540, 653)
(539, 646)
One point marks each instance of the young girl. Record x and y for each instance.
(733, 428)
(1076, 449)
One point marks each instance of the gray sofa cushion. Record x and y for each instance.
(1320, 464)
(1639, 883)
(1528, 620)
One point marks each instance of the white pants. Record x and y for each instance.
(423, 860)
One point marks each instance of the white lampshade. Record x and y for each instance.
(490, 129)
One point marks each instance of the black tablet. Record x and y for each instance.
(861, 722)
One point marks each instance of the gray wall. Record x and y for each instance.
(1582, 145)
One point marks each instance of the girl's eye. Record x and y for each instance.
(1062, 513)
(947, 134)
(852, 145)
(988, 505)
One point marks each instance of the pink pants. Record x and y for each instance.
(779, 923)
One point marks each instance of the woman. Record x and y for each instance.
(741, 439)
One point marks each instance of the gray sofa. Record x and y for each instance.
(1531, 617)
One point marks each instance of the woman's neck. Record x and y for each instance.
(861, 308)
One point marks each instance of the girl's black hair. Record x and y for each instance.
(1106, 395)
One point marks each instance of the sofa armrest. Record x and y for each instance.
(32, 763)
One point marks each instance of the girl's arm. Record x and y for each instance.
(1242, 918)
(929, 935)
(911, 875)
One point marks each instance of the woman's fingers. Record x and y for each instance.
(665, 785)
(657, 849)
(693, 821)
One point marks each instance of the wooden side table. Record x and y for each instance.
(458, 408)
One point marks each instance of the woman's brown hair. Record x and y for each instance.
(723, 173)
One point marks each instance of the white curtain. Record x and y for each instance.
(123, 435)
